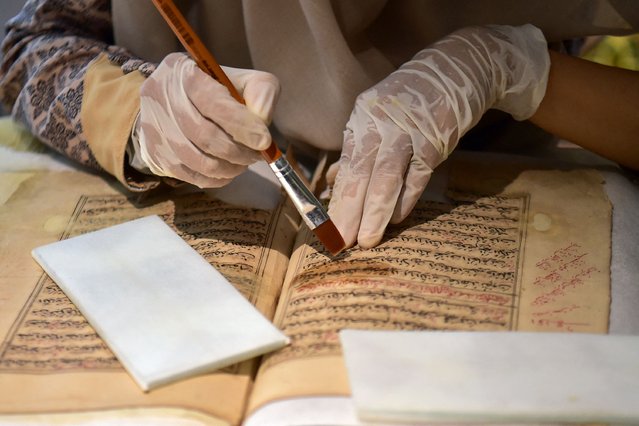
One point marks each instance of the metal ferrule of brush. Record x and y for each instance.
(306, 203)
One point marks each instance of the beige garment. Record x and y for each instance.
(327, 52)
(99, 112)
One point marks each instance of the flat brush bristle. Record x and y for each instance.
(328, 234)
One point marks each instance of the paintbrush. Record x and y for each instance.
(309, 207)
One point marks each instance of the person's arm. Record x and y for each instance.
(85, 97)
(594, 106)
(51, 66)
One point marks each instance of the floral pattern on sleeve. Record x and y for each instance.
(47, 50)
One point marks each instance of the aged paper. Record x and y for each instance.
(566, 262)
(52, 360)
(513, 251)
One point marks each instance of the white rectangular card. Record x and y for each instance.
(436, 376)
(164, 311)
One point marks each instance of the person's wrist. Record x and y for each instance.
(522, 67)
(133, 149)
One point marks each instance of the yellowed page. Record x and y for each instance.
(51, 360)
(566, 262)
(480, 262)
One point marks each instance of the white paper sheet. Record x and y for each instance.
(163, 310)
(403, 376)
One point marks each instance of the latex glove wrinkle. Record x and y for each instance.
(191, 128)
(401, 129)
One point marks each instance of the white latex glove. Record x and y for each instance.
(191, 128)
(407, 124)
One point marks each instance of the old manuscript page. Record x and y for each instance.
(51, 360)
(511, 251)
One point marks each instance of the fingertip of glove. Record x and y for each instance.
(346, 231)
(261, 96)
(260, 141)
(367, 241)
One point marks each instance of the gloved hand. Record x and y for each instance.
(407, 124)
(191, 128)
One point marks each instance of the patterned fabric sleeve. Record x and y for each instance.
(47, 50)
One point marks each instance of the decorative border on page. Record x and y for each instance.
(447, 267)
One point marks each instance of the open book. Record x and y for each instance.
(499, 250)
